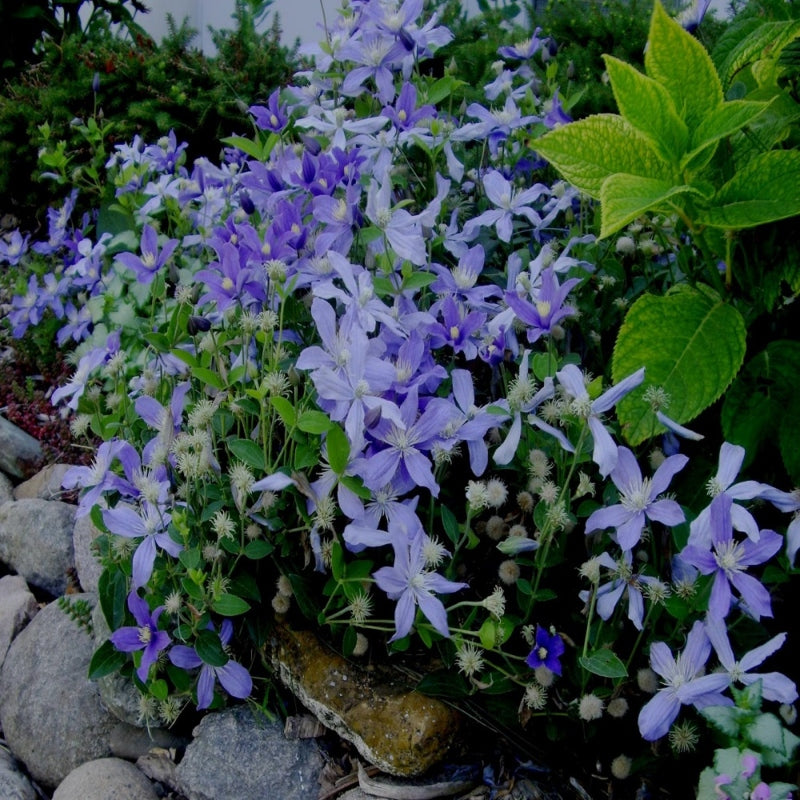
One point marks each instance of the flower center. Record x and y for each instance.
(145, 635)
(728, 555)
(637, 498)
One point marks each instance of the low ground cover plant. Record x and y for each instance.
(385, 373)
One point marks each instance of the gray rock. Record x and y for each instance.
(117, 693)
(132, 743)
(87, 566)
(237, 754)
(36, 542)
(105, 779)
(45, 484)
(13, 784)
(6, 489)
(17, 608)
(20, 454)
(50, 711)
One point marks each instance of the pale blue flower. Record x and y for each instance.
(684, 683)
(411, 584)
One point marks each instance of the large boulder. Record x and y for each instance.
(45, 484)
(17, 608)
(6, 489)
(394, 727)
(36, 542)
(50, 712)
(106, 779)
(20, 454)
(13, 784)
(238, 754)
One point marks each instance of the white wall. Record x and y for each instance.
(299, 18)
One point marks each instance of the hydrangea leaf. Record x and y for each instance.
(721, 122)
(648, 106)
(691, 344)
(586, 152)
(763, 190)
(625, 197)
(771, 37)
(682, 66)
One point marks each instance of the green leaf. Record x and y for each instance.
(769, 38)
(258, 549)
(105, 660)
(764, 190)
(418, 280)
(488, 634)
(723, 121)
(604, 663)
(158, 341)
(691, 345)
(209, 376)
(249, 452)
(586, 152)
(759, 403)
(443, 683)
(450, 524)
(442, 89)
(723, 718)
(229, 605)
(647, 105)
(248, 146)
(766, 732)
(789, 436)
(682, 66)
(159, 689)
(209, 648)
(625, 197)
(338, 449)
(285, 410)
(112, 590)
(315, 422)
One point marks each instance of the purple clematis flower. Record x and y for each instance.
(148, 523)
(684, 683)
(774, 685)
(728, 559)
(271, 117)
(151, 261)
(145, 635)
(547, 309)
(509, 204)
(638, 499)
(233, 677)
(731, 457)
(547, 651)
(605, 452)
(411, 584)
(407, 443)
(99, 478)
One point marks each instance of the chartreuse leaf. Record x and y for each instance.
(623, 198)
(648, 106)
(769, 38)
(763, 190)
(586, 152)
(724, 120)
(682, 66)
(691, 344)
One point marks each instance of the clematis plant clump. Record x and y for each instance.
(356, 377)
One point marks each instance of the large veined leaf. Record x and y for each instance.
(764, 190)
(648, 106)
(586, 152)
(769, 38)
(626, 197)
(723, 121)
(681, 64)
(691, 344)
